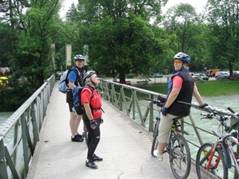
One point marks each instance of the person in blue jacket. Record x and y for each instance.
(75, 79)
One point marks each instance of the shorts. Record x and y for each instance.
(69, 99)
(79, 110)
(165, 127)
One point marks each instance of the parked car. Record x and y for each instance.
(199, 76)
(157, 75)
(222, 75)
(235, 76)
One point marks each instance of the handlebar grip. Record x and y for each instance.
(203, 105)
(231, 110)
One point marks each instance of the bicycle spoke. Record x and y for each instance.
(179, 161)
(216, 166)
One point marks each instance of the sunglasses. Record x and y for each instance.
(177, 61)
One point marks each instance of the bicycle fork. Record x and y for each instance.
(233, 157)
(212, 152)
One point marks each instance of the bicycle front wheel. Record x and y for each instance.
(206, 164)
(155, 142)
(179, 157)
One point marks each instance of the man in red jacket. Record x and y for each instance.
(92, 103)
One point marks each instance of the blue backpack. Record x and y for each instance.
(76, 97)
(77, 106)
(62, 86)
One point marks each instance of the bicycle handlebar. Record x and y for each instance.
(231, 110)
(235, 114)
(205, 107)
(207, 115)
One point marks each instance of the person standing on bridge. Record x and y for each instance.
(181, 88)
(92, 102)
(75, 78)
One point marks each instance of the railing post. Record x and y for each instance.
(34, 125)
(25, 145)
(108, 92)
(3, 164)
(133, 102)
(151, 115)
(122, 98)
(196, 131)
(39, 111)
(139, 110)
(15, 141)
(11, 164)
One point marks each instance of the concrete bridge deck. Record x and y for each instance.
(124, 145)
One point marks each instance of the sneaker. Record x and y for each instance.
(77, 138)
(97, 158)
(91, 164)
(158, 155)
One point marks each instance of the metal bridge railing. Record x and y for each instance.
(20, 133)
(131, 100)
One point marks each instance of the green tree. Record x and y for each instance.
(191, 34)
(119, 35)
(180, 20)
(25, 45)
(34, 43)
(224, 22)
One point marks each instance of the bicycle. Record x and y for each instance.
(215, 159)
(177, 148)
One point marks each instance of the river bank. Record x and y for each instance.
(206, 88)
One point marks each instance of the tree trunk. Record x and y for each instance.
(231, 68)
(122, 77)
(11, 14)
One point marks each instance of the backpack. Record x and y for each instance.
(77, 106)
(62, 86)
(76, 96)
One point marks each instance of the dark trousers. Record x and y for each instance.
(93, 137)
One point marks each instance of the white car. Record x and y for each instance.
(199, 76)
(222, 75)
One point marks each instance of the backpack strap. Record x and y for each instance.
(80, 75)
(89, 88)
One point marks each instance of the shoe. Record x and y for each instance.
(91, 164)
(77, 138)
(97, 158)
(158, 155)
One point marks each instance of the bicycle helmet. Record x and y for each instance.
(79, 57)
(88, 74)
(185, 58)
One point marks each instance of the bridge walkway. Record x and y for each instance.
(124, 145)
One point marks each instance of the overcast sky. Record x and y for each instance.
(199, 5)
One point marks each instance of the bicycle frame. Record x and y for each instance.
(229, 140)
(212, 152)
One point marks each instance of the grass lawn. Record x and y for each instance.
(206, 88)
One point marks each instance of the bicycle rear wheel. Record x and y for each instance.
(179, 157)
(217, 167)
(155, 142)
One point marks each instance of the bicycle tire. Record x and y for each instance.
(179, 149)
(155, 138)
(202, 156)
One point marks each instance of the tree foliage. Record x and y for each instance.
(119, 35)
(122, 36)
(26, 39)
(223, 17)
